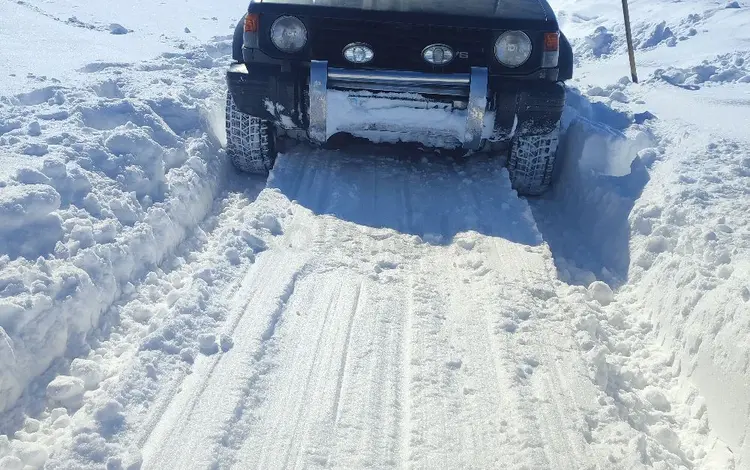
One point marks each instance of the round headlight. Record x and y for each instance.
(288, 34)
(358, 53)
(513, 48)
(438, 54)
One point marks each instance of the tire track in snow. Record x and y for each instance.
(223, 298)
(234, 383)
(345, 360)
(436, 438)
(492, 424)
(71, 21)
(205, 381)
(371, 391)
(418, 259)
(547, 394)
(293, 411)
(429, 334)
(320, 356)
(406, 427)
(372, 379)
(159, 408)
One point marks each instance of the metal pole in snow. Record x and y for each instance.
(629, 36)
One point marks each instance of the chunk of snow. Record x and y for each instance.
(226, 342)
(11, 462)
(271, 223)
(32, 176)
(32, 454)
(5, 447)
(131, 461)
(31, 425)
(188, 355)
(116, 28)
(207, 343)
(619, 96)
(90, 372)
(657, 398)
(110, 416)
(35, 149)
(34, 129)
(661, 32)
(57, 412)
(66, 390)
(600, 41)
(62, 422)
(21, 205)
(667, 437)
(601, 292)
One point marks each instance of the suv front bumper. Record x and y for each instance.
(482, 107)
(467, 92)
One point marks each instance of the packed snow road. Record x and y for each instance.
(365, 311)
(390, 322)
(386, 319)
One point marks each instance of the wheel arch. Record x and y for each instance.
(566, 59)
(237, 40)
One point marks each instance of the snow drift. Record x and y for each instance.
(126, 167)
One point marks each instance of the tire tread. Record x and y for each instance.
(532, 162)
(250, 141)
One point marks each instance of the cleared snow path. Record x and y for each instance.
(366, 311)
(364, 346)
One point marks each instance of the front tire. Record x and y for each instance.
(251, 142)
(532, 162)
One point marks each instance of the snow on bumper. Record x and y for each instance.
(401, 117)
(393, 106)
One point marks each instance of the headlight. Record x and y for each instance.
(288, 34)
(513, 48)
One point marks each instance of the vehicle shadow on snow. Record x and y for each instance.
(434, 195)
(585, 217)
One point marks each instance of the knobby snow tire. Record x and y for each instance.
(532, 162)
(250, 141)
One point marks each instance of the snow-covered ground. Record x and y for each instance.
(376, 306)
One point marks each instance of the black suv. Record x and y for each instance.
(497, 67)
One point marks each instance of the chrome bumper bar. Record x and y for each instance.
(468, 86)
(444, 85)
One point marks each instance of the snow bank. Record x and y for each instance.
(129, 167)
(584, 219)
(690, 274)
(725, 68)
(638, 210)
(682, 253)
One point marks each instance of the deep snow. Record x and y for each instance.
(118, 168)
(372, 306)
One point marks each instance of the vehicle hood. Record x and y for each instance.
(518, 9)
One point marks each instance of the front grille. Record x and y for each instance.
(399, 45)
